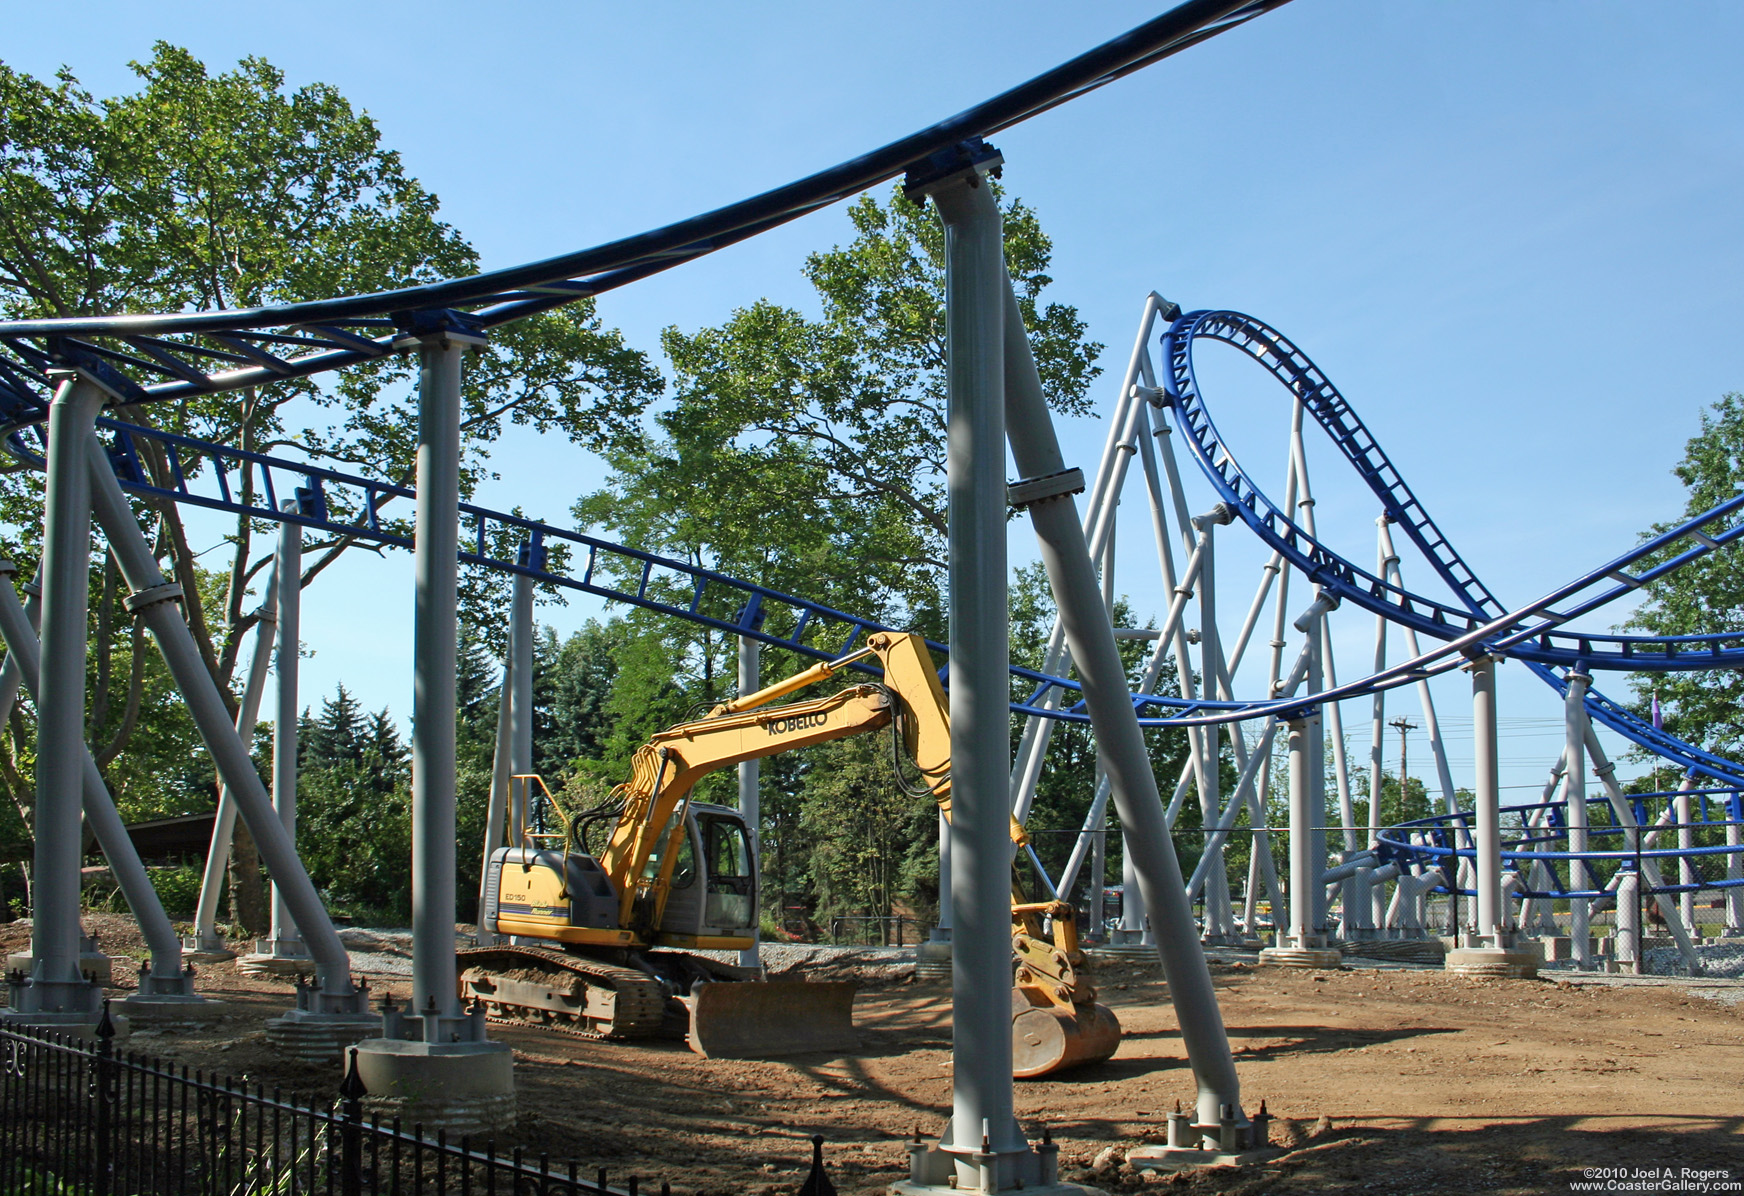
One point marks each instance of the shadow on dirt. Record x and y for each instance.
(1461, 1155)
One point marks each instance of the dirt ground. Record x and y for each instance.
(1388, 1081)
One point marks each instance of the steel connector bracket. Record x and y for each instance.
(441, 325)
(972, 156)
(169, 591)
(1029, 491)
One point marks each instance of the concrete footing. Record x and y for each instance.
(320, 1037)
(156, 1011)
(910, 1188)
(1559, 948)
(196, 949)
(1302, 957)
(1170, 1158)
(1232, 1142)
(933, 1171)
(263, 963)
(79, 1024)
(461, 1087)
(932, 961)
(1121, 951)
(1518, 962)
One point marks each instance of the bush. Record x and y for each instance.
(178, 888)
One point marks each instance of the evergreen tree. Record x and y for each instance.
(336, 736)
(354, 809)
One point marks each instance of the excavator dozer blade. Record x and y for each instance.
(1046, 1039)
(768, 1018)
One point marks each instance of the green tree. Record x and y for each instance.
(354, 809)
(808, 454)
(861, 824)
(1705, 597)
(206, 190)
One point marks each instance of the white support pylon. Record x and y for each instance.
(206, 943)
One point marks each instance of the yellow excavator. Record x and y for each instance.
(604, 944)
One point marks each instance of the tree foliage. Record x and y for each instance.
(222, 189)
(1705, 707)
(354, 808)
(809, 453)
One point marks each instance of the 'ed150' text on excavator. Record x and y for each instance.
(605, 943)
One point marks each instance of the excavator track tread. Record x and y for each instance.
(640, 1009)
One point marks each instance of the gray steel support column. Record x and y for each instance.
(522, 635)
(164, 976)
(206, 938)
(1575, 724)
(496, 808)
(1734, 866)
(11, 673)
(57, 987)
(1384, 558)
(285, 939)
(1096, 891)
(1119, 739)
(983, 1121)
(435, 648)
(1218, 911)
(1491, 925)
(434, 1054)
(154, 601)
(750, 672)
(1132, 910)
(1317, 777)
(1304, 736)
(1628, 917)
(943, 932)
(514, 746)
(1686, 872)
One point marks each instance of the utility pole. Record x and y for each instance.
(1402, 725)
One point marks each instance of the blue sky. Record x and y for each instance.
(1509, 233)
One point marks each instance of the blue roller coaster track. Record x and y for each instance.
(1530, 635)
(154, 357)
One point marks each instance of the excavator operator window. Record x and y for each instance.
(729, 855)
(684, 865)
(727, 850)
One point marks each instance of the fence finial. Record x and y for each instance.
(105, 1027)
(818, 1182)
(352, 1087)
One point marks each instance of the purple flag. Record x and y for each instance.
(1658, 723)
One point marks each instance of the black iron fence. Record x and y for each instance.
(81, 1117)
(857, 931)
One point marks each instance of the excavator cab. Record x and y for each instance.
(712, 898)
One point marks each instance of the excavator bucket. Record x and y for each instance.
(1046, 1038)
(766, 1019)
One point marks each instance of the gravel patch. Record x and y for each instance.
(1719, 960)
(387, 951)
